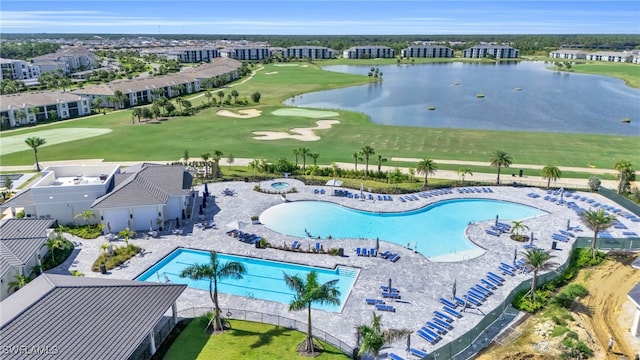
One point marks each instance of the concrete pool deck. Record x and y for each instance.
(421, 281)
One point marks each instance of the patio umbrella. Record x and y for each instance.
(531, 238)
(515, 255)
(409, 342)
(184, 216)
(377, 244)
(568, 224)
(204, 202)
(389, 285)
(177, 222)
(453, 289)
(108, 227)
(206, 190)
(496, 220)
(150, 225)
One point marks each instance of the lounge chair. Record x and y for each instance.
(401, 199)
(393, 356)
(483, 288)
(486, 283)
(442, 316)
(395, 258)
(566, 233)
(322, 191)
(373, 301)
(392, 257)
(318, 247)
(459, 301)
(386, 288)
(427, 337)
(491, 232)
(373, 252)
(630, 233)
(448, 303)
(358, 251)
(418, 353)
(442, 323)
(391, 295)
(383, 307)
(316, 191)
(494, 281)
(431, 332)
(497, 277)
(295, 244)
(437, 328)
(507, 271)
(503, 264)
(451, 311)
(385, 254)
(478, 294)
(472, 300)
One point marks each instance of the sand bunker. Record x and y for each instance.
(242, 114)
(302, 134)
(271, 73)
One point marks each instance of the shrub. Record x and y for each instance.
(20, 214)
(559, 330)
(120, 255)
(83, 231)
(59, 254)
(594, 183)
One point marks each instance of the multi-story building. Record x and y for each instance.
(247, 53)
(19, 70)
(569, 54)
(427, 51)
(185, 54)
(69, 59)
(610, 56)
(369, 52)
(30, 108)
(309, 52)
(497, 51)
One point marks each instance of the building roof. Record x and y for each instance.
(634, 295)
(24, 228)
(21, 199)
(83, 317)
(149, 185)
(20, 240)
(38, 98)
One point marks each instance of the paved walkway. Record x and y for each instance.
(421, 281)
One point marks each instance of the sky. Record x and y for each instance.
(320, 17)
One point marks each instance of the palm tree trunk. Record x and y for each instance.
(498, 179)
(593, 243)
(425, 181)
(548, 182)
(533, 284)
(35, 153)
(217, 324)
(309, 337)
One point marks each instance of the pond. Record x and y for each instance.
(518, 96)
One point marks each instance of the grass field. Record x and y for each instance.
(246, 340)
(15, 143)
(206, 131)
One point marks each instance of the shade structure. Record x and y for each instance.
(334, 182)
(236, 224)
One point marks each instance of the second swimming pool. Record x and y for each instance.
(437, 229)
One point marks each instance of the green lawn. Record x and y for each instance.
(206, 132)
(246, 340)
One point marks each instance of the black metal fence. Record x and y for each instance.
(619, 199)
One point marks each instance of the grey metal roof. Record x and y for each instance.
(151, 185)
(84, 317)
(25, 228)
(20, 239)
(21, 199)
(634, 295)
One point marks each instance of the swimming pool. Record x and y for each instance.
(264, 279)
(437, 229)
(280, 185)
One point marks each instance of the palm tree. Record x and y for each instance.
(372, 338)
(462, 171)
(97, 103)
(205, 158)
(19, 282)
(356, 157)
(380, 161)
(536, 259)
(35, 142)
(20, 115)
(296, 152)
(314, 156)
(551, 172)
(126, 234)
(253, 166)
(427, 167)
(625, 175)
(52, 244)
(597, 220)
(307, 293)
(119, 97)
(303, 153)
(220, 95)
(217, 155)
(208, 95)
(214, 271)
(367, 151)
(517, 227)
(136, 113)
(86, 215)
(500, 159)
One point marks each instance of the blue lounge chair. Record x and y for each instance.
(383, 307)
(497, 277)
(478, 294)
(385, 254)
(358, 251)
(495, 282)
(427, 337)
(295, 244)
(418, 353)
(318, 247)
(442, 323)
(386, 288)
(491, 232)
(373, 301)
(448, 303)
(442, 316)
(508, 266)
(488, 284)
(451, 311)
(437, 328)
(484, 288)
(458, 301)
(507, 271)
(392, 257)
(395, 258)
(373, 252)
(364, 252)
(322, 191)
(393, 356)
(401, 199)
(391, 295)
(431, 332)
(316, 191)
(380, 198)
(472, 300)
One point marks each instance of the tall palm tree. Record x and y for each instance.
(52, 244)
(499, 160)
(221, 96)
(310, 292)
(551, 172)
(427, 167)
(356, 157)
(215, 271)
(314, 156)
(136, 113)
(304, 152)
(20, 115)
(367, 151)
(597, 220)
(462, 171)
(119, 98)
(35, 142)
(517, 227)
(253, 166)
(97, 104)
(208, 95)
(372, 337)
(296, 152)
(217, 155)
(381, 160)
(625, 175)
(536, 259)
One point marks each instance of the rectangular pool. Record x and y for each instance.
(263, 280)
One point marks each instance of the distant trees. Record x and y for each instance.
(367, 151)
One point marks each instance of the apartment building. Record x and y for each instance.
(29, 108)
(369, 52)
(185, 54)
(497, 51)
(568, 54)
(67, 60)
(427, 51)
(610, 56)
(309, 52)
(247, 53)
(19, 70)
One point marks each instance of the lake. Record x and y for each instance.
(520, 96)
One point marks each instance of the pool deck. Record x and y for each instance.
(421, 282)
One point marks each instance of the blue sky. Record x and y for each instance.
(300, 17)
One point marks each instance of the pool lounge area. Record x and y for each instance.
(420, 281)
